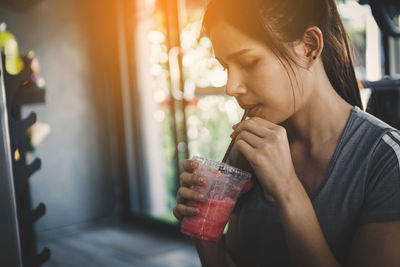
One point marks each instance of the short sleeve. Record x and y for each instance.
(382, 190)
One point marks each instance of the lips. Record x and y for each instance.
(250, 106)
(253, 110)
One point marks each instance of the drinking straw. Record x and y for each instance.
(228, 151)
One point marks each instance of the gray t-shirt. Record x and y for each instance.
(362, 185)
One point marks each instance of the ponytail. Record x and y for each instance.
(337, 58)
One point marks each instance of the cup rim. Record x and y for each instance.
(223, 167)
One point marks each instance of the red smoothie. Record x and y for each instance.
(211, 220)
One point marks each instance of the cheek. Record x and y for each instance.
(271, 83)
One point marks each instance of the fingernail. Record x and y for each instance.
(193, 164)
(195, 211)
(205, 197)
(201, 196)
(201, 180)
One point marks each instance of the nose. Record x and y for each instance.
(234, 85)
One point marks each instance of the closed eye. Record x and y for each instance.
(248, 66)
(251, 65)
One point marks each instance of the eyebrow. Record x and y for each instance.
(236, 54)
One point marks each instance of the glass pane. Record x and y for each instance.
(366, 38)
(155, 111)
(209, 125)
(210, 113)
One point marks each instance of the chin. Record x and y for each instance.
(276, 117)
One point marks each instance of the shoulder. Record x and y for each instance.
(368, 133)
(369, 124)
(382, 183)
(385, 152)
(388, 147)
(384, 149)
(383, 171)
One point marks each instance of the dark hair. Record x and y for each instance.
(280, 22)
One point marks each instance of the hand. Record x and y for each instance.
(186, 180)
(266, 147)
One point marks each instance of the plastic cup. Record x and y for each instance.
(224, 184)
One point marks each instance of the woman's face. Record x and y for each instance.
(256, 78)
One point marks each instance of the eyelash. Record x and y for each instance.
(249, 66)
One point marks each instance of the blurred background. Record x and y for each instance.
(123, 91)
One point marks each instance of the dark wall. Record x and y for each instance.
(76, 44)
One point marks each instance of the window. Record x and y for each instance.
(206, 115)
(366, 38)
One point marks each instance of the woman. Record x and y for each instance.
(327, 178)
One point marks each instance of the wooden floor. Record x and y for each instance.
(119, 246)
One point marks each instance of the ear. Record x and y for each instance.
(313, 43)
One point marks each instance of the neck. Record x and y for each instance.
(321, 120)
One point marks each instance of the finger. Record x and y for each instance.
(188, 179)
(251, 126)
(244, 148)
(188, 194)
(266, 123)
(180, 200)
(186, 210)
(189, 165)
(177, 214)
(250, 138)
